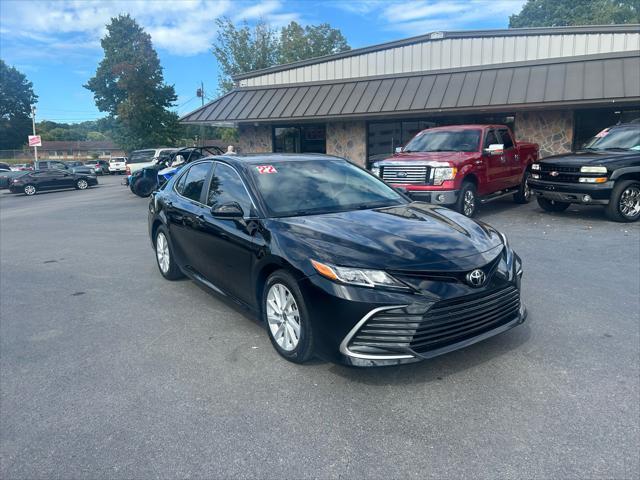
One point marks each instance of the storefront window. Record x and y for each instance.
(300, 139)
(589, 122)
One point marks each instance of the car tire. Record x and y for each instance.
(624, 204)
(164, 255)
(467, 203)
(552, 205)
(292, 337)
(144, 188)
(82, 184)
(523, 195)
(30, 190)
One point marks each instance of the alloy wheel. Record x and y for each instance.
(630, 202)
(527, 189)
(283, 317)
(162, 252)
(82, 184)
(29, 190)
(469, 203)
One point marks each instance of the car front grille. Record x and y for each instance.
(405, 174)
(447, 322)
(555, 173)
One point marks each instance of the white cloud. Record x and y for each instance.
(185, 27)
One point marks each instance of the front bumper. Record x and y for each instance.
(361, 326)
(439, 197)
(585, 193)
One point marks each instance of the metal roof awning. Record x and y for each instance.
(578, 80)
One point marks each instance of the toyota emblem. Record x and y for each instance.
(476, 278)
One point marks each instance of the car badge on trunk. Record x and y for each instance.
(476, 278)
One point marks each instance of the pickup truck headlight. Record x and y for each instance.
(593, 170)
(535, 166)
(375, 171)
(440, 174)
(357, 276)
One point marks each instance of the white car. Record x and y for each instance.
(145, 158)
(117, 165)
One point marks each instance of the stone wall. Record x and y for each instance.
(552, 130)
(348, 140)
(252, 139)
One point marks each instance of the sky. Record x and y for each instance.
(56, 44)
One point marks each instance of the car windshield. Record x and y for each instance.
(624, 138)
(445, 141)
(141, 156)
(315, 187)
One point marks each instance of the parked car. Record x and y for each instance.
(7, 176)
(335, 261)
(462, 166)
(117, 165)
(5, 167)
(19, 167)
(606, 171)
(144, 158)
(146, 180)
(31, 183)
(100, 167)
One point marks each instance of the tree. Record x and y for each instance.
(129, 86)
(243, 49)
(552, 13)
(16, 98)
(297, 43)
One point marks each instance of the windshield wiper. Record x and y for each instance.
(617, 148)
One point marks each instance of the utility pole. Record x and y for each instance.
(35, 149)
(200, 93)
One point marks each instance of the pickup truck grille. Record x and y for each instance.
(556, 173)
(405, 174)
(445, 323)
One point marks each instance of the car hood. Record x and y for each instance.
(428, 157)
(412, 237)
(589, 157)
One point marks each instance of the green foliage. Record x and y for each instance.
(243, 49)
(129, 86)
(297, 43)
(96, 130)
(16, 98)
(552, 13)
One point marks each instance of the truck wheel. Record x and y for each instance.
(523, 194)
(467, 203)
(552, 205)
(624, 204)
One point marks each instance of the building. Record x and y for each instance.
(554, 86)
(78, 150)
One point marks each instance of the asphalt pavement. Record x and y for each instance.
(109, 371)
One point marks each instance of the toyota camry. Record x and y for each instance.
(335, 262)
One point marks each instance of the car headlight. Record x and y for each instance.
(593, 170)
(375, 171)
(440, 174)
(357, 276)
(535, 166)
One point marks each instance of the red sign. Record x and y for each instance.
(262, 169)
(35, 141)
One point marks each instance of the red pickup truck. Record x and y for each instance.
(461, 166)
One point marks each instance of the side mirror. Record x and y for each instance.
(398, 149)
(495, 149)
(229, 210)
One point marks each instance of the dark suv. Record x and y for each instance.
(606, 171)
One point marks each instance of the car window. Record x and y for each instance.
(506, 138)
(141, 156)
(491, 139)
(227, 186)
(194, 181)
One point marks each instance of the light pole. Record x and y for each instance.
(200, 93)
(35, 149)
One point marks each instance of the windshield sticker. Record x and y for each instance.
(262, 169)
(603, 133)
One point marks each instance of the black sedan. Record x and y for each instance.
(32, 182)
(333, 260)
